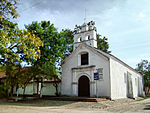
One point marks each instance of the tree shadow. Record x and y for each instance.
(147, 107)
(36, 103)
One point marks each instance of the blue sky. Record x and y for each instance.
(126, 23)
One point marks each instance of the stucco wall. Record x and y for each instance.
(118, 72)
(83, 35)
(48, 89)
(103, 86)
(67, 75)
(94, 59)
(28, 91)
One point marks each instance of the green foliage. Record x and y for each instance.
(56, 47)
(67, 42)
(23, 76)
(16, 45)
(48, 35)
(144, 68)
(3, 89)
(48, 69)
(2, 68)
(147, 79)
(8, 9)
(102, 43)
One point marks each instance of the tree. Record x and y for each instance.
(67, 42)
(16, 45)
(144, 68)
(8, 9)
(49, 70)
(102, 43)
(57, 45)
(23, 77)
(49, 52)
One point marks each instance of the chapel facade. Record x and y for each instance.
(89, 72)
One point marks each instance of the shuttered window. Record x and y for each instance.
(100, 72)
(84, 59)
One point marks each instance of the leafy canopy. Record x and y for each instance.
(102, 43)
(56, 46)
(144, 68)
(16, 45)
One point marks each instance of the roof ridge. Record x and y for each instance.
(102, 52)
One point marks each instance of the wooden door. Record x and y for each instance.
(83, 87)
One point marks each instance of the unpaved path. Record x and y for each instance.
(133, 107)
(121, 106)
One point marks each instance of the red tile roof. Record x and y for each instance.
(2, 74)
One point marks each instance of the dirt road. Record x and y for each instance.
(133, 107)
(45, 106)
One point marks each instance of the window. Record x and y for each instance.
(125, 78)
(79, 39)
(88, 37)
(100, 72)
(84, 59)
(136, 81)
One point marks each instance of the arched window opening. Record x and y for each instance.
(80, 39)
(88, 37)
(84, 59)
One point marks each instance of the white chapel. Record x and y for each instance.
(90, 72)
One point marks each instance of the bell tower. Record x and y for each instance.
(85, 33)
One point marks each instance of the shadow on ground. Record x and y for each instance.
(36, 103)
(147, 107)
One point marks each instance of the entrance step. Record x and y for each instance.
(83, 99)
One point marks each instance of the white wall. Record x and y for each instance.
(67, 75)
(48, 89)
(91, 42)
(96, 59)
(103, 86)
(118, 84)
(28, 91)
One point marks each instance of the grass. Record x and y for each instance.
(143, 99)
(37, 103)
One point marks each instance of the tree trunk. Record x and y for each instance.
(56, 87)
(24, 89)
(57, 90)
(11, 91)
(37, 87)
(41, 90)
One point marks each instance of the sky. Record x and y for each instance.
(126, 23)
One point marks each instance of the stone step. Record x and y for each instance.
(83, 99)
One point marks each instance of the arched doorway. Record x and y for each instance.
(83, 87)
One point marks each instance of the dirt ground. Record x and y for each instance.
(49, 106)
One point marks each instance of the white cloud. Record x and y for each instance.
(142, 15)
(126, 23)
(137, 59)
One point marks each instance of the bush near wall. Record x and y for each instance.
(3, 90)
